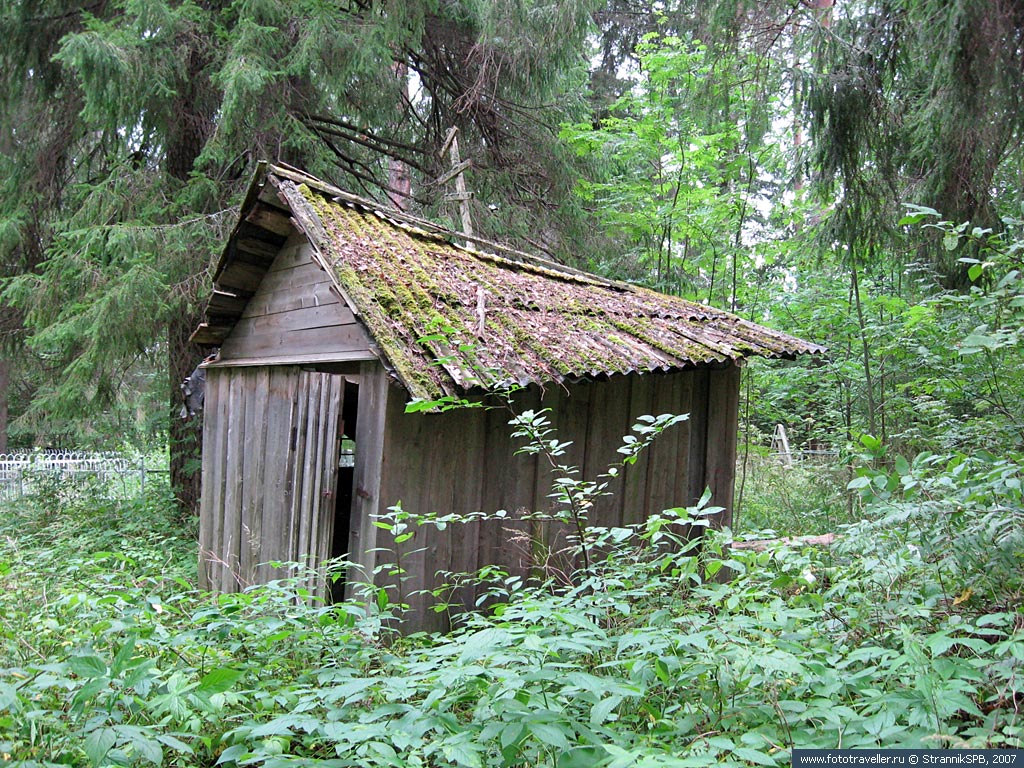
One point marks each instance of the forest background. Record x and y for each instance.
(851, 172)
(762, 157)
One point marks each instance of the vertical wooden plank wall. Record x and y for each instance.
(699, 436)
(510, 483)
(269, 470)
(230, 549)
(545, 542)
(254, 438)
(723, 417)
(634, 494)
(211, 502)
(270, 474)
(662, 458)
(366, 497)
(465, 462)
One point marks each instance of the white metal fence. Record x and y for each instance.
(24, 473)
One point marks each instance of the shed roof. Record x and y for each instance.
(449, 320)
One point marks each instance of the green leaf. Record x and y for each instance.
(87, 691)
(145, 744)
(233, 754)
(549, 734)
(754, 756)
(601, 711)
(219, 680)
(284, 725)
(174, 743)
(902, 466)
(510, 734)
(123, 656)
(98, 743)
(87, 666)
(8, 696)
(580, 757)
(463, 753)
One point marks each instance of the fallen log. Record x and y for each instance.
(760, 545)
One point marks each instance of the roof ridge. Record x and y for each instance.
(395, 216)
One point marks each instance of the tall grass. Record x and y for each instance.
(804, 498)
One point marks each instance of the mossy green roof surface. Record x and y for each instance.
(449, 320)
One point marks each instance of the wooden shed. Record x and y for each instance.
(331, 314)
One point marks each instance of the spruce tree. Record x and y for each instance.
(129, 129)
(919, 101)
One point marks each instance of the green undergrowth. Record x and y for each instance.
(908, 633)
(802, 498)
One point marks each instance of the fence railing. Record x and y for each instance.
(24, 473)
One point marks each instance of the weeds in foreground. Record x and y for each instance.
(908, 635)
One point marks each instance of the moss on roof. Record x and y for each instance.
(449, 320)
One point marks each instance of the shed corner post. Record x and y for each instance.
(370, 428)
(722, 438)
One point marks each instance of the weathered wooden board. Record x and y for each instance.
(255, 249)
(292, 321)
(294, 311)
(211, 518)
(663, 454)
(226, 304)
(342, 359)
(509, 484)
(466, 496)
(636, 505)
(407, 456)
(238, 275)
(723, 415)
(252, 411)
(297, 252)
(271, 218)
(287, 299)
(272, 443)
(699, 435)
(370, 426)
(683, 436)
(554, 550)
(609, 422)
(338, 342)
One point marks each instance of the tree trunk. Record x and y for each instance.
(194, 106)
(185, 435)
(5, 380)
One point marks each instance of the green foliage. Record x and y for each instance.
(947, 367)
(675, 173)
(908, 634)
(805, 498)
(572, 494)
(130, 128)
(920, 101)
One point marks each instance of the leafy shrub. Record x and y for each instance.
(908, 634)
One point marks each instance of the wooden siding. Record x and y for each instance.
(373, 394)
(269, 473)
(295, 315)
(464, 461)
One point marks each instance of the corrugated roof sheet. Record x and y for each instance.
(449, 320)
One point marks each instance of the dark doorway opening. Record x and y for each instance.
(346, 482)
